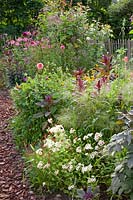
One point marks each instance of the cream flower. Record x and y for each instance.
(39, 152)
(78, 150)
(40, 165)
(88, 147)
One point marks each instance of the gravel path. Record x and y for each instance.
(13, 186)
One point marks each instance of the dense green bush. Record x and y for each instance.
(119, 17)
(36, 101)
(18, 15)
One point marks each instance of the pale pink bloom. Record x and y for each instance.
(33, 43)
(12, 42)
(39, 66)
(62, 46)
(101, 143)
(25, 39)
(125, 59)
(17, 44)
(19, 39)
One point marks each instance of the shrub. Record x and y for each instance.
(36, 100)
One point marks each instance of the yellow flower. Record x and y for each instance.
(119, 122)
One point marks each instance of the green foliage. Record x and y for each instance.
(18, 15)
(122, 179)
(28, 125)
(119, 17)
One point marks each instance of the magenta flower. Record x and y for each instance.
(48, 99)
(40, 66)
(98, 85)
(26, 33)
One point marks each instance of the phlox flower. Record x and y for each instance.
(40, 165)
(97, 136)
(39, 66)
(88, 147)
(70, 187)
(86, 168)
(101, 143)
(39, 152)
(72, 130)
(93, 154)
(49, 143)
(50, 120)
(91, 180)
(57, 129)
(46, 166)
(78, 149)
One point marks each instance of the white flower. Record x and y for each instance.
(56, 172)
(86, 154)
(50, 120)
(88, 147)
(70, 168)
(43, 184)
(75, 140)
(70, 187)
(72, 130)
(97, 136)
(39, 152)
(101, 143)
(64, 166)
(86, 168)
(90, 134)
(79, 165)
(78, 150)
(88, 38)
(93, 154)
(85, 137)
(57, 129)
(91, 180)
(49, 143)
(46, 166)
(96, 148)
(40, 165)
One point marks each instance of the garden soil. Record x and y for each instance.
(13, 184)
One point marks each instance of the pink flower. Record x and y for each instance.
(25, 39)
(12, 42)
(26, 33)
(39, 66)
(125, 59)
(19, 39)
(17, 44)
(62, 46)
